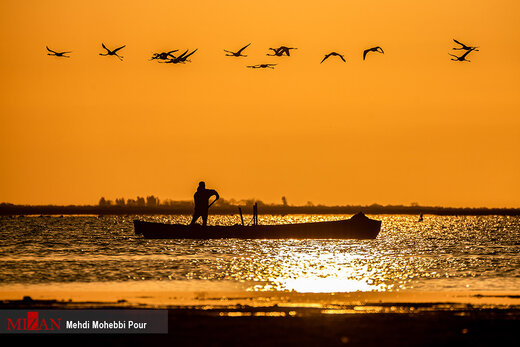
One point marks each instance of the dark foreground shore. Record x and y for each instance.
(382, 324)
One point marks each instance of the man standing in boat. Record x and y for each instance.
(201, 197)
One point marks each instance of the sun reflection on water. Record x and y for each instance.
(320, 285)
(324, 268)
(449, 252)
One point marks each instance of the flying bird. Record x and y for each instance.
(57, 54)
(276, 52)
(464, 47)
(114, 52)
(286, 50)
(331, 54)
(164, 55)
(262, 66)
(237, 53)
(280, 51)
(178, 59)
(373, 49)
(183, 58)
(462, 57)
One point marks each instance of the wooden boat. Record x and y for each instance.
(357, 227)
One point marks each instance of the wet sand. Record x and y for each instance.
(260, 318)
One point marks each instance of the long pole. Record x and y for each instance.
(241, 217)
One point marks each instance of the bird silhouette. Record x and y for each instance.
(464, 47)
(331, 54)
(181, 59)
(280, 51)
(262, 66)
(373, 49)
(237, 53)
(276, 52)
(462, 57)
(57, 54)
(164, 55)
(112, 52)
(184, 57)
(286, 49)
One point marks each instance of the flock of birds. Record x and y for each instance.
(467, 49)
(170, 58)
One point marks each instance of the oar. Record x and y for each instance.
(212, 203)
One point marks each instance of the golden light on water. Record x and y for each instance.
(444, 253)
(324, 267)
(323, 285)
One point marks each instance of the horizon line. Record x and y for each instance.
(222, 203)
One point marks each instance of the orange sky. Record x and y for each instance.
(407, 126)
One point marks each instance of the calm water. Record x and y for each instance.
(440, 253)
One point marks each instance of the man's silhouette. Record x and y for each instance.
(201, 198)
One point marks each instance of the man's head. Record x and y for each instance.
(202, 185)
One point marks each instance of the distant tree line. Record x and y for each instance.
(150, 201)
(153, 205)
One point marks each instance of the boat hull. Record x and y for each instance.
(357, 227)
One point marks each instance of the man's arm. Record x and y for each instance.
(211, 193)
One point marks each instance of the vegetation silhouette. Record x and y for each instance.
(152, 205)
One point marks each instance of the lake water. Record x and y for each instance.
(440, 253)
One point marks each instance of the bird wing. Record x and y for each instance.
(326, 56)
(458, 42)
(183, 58)
(191, 53)
(103, 45)
(170, 52)
(380, 49)
(117, 49)
(50, 50)
(182, 55)
(365, 53)
(465, 54)
(241, 49)
(342, 58)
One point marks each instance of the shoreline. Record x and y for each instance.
(231, 299)
(238, 318)
(7, 210)
(302, 319)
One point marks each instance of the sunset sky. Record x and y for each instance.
(407, 126)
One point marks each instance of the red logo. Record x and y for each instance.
(33, 322)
